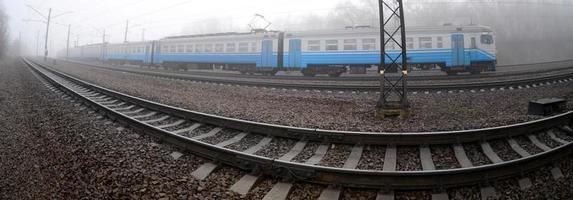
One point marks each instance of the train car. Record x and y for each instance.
(255, 52)
(136, 53)
(452, 49)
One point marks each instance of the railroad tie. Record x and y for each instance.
(244, 185)
(426, 158)
(488, 193)
(233, 140)
(557, 139)
(108, 102)
(264, 142)
(124, 109)
(488, 151)
(134, 112)
(156, 120)
(114, 105)
(329, 193)
(556, 173)
(204, 170)
(354, 157)
(298, 147)
(211, 133)
(515, 146)
(524, 183)
(279, 191)
(538, 143)
(440, 196)
(145, 115)
(176, 123)
(318, 154)
(390, 159)
(461, 156)
(187, 130)
(385, 195)
(567, 129)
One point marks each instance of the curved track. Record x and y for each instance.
(505, 71)
(305, 154)
(510, 84)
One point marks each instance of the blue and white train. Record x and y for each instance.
(452, 49)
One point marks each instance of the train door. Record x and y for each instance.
(147, 58)
(294, 57)
(267, 53)
(458, 57)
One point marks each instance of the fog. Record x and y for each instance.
(526, 30)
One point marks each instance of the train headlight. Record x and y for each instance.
(405, 72)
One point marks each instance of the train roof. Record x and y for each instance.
(219, 34)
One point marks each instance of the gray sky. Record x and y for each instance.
(158, 18)
(527, 30)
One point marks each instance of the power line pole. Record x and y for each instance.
(37, 43)
(68, 43)
(19, 42)
(47, 32)
(393, 99)
(103, 46)
(126, 28)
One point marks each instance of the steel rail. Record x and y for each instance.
(367, 78)
(311, 86)
(343, 137)
(318, 174)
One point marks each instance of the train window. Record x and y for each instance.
(332, 45)
(425, 42)
(350, 45)
(219, 48)
(189, 48)
(440, 42)
(230, 47)
(198, 48)
(369, 44)
(180, 48)
(243, 47)
(208, 48)
(254, 47)
(172, 48)
(409, 43)
(473, 43)
(165, 48)
(314, 45)
(486, 39)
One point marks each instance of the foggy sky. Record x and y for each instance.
(527, 30)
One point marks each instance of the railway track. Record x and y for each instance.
(551, 67)
(518, 83)
(391, 161)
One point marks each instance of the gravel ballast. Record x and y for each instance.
(334, 110)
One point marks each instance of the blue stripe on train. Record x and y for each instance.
(306, 58)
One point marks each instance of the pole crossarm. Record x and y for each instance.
(393, 98)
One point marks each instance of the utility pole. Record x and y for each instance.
(37, 43)
(393, 99)
(47, 32)
(126, 28)
(19, 42)
(48, 20)
(68, 42)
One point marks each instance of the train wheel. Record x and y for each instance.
(335, 74)
(450, 73)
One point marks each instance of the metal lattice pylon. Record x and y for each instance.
(393, 90)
